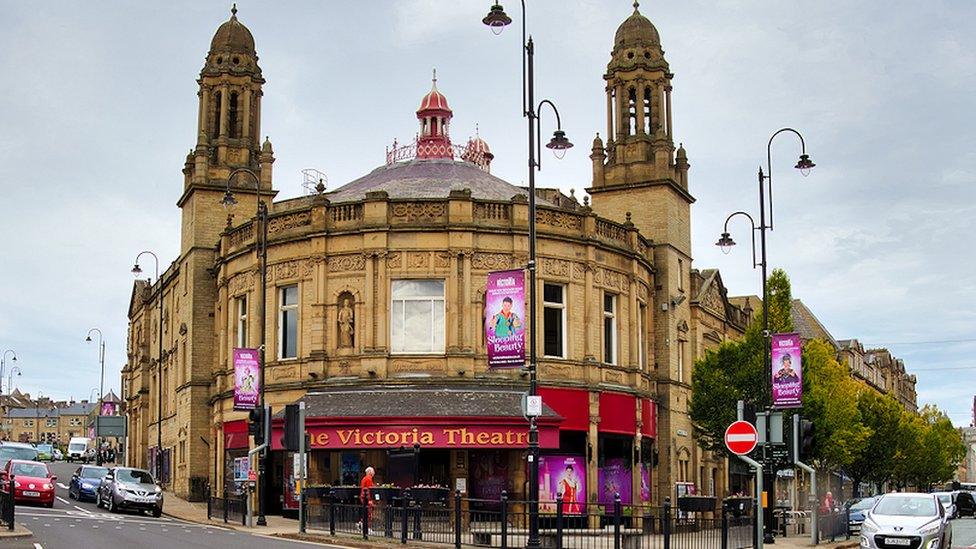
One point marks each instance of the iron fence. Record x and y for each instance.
(504, 523)
(835, 524)
(230, 508)
(7, 504)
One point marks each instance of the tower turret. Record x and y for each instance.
(435, 116)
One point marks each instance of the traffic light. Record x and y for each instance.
(257, 425)
(806, 439)
(291, 440)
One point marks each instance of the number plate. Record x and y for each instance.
(898, 541)
(32, 494)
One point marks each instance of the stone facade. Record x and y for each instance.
(880, 370)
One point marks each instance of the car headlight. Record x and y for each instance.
(159, 490)
(934, 544)
(16, 484)
(86, 486)
(865, 542)
(48, 486)
(929, 530)
(868, 526)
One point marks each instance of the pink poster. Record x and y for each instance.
(562, 477)
(247, 379)
(645, 489)
(505, 319)
(787, 371)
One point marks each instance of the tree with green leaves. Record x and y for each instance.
(780, 300)
(881, 415)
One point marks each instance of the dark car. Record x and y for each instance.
(85, 481)
(16, 450)
(959, 503)
(858, 508)
(126, 488)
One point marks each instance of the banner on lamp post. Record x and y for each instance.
(247, 379)
(787, 374)
(505, 319)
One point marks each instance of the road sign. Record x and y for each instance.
(741, 438)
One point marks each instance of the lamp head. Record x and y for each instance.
(805, 165)
(559, 144)
(726, 243)
(228, 201)
(136, 270)
(88, 338)
(497, 19)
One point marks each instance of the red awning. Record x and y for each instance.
(235, 434)
(572, 404)
(649, 418)
(618, 413)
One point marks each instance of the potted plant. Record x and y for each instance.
(429, 493)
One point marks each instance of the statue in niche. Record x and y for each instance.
(347, 324)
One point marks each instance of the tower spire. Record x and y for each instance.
(233, 10)
(434, 80)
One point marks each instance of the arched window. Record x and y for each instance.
(215, 115)
(632, 112)
(648, 127)
(234, 118)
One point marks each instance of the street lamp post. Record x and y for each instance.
(497, 20)
(3, 364)
(262, 250)
(804, 164)
(159, 367)
(10, 377)
(101, 388)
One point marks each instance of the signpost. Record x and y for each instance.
(741, 438)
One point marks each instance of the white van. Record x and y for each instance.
(78, 449)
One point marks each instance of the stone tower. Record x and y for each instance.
(638, 174)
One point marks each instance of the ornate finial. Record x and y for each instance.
(320, 188)
(434, 79)
(572, 193)
(636, 5)
(233, 11)
(476, 132)
(586, 200)
(628, 217)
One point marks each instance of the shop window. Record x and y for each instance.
(242, 321)
(609, 328)
(288, 322)
(554, 320)
(614, 469)
(418, 316)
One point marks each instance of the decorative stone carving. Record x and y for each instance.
(349, 262)
(415, 366)
(642, 292)
(611, 376)
(346, 212)
(683, 326)
(418, 260)
(491, 262)
(579, 271)
(442, 259)
(241, 283)
(713, 300)
(408, 212)
(242, 235)
(613, 279)
(290, 221)
(394, 260)
(346, 318)
(611, 231)
(560, 220)
(555, 267)
(559, 370)
(492, 211)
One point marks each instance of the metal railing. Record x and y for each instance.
(504, 523)
(835, 524)
(229, 507)
(7, 504)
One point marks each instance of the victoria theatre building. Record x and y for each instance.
(375, 304)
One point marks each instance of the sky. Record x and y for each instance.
(98, 110)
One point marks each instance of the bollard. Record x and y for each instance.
(666, 523)
(725, 527)
(616, 521)
(10, 505)
(559, 521)
(403, 516)
(457, 519)
(332, 517)
(225, 504)
(365, 515)
(388, 518)
(504, 518)
(848, 526)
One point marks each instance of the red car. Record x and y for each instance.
(33, 482)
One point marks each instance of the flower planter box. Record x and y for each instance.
(385, 494)
(345, 494)
(699, 504)
(429, 494)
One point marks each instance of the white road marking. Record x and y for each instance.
(64, 501)
(38, 546)
(82, 509)
(62, 486)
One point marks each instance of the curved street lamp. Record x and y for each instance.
(136, 270)
(10, 376)
(497, 20)
(261, 247)
(3, 364)
(101, 386)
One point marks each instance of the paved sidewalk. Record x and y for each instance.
(803, 542)
(196, 511)
(19, 531)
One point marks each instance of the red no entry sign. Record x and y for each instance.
(741, 438)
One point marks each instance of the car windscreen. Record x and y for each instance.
(93, 472)
(864, 504)
(907, 506)
(29, 470)
(76, 447)
(946, 499)
(44, 448)
(129, 475)
(8, 453)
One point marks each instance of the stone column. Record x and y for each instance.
(590, 296)
(204, 103)
(621, 113)
(632, 318)
(224, 109)
(369, 328)
(257, 119)
(609, 112)
(383, 313)
(246, 113)
(639, 106)
(592, 457)
(468, 338)
(667, 95)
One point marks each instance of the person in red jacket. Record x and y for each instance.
(365, 494)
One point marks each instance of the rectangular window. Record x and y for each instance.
(609, 328)
(50, 422)
(417, 309)
(681, 275)
(288, 322)
(641, 336)
(242, 321)
(28, 423)
(681, 362)
(554, 320)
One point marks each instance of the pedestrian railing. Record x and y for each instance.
(230, 508)
(834, 525)
(504, 523)
(7, 504)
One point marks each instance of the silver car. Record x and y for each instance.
(907, 521)
(125, 488)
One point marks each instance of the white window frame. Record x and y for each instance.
(51, 422)
(612, 317)
(562, 308)
(397, 340)
(282, 309)
(241, 307)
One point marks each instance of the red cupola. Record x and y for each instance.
(435, 122)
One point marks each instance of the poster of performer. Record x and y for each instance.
(505, 319)
(787, 371)
(562, 477)
(614, 477)
(247, 379)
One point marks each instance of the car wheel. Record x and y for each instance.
(111, 504)
(157, 513)
(98, 500)
(49, 505)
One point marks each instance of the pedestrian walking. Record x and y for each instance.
(366, 496)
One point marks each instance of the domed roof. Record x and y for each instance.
(432, 178)
(232, 36)
(477, 145)
(636, 30)
(434, 100)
